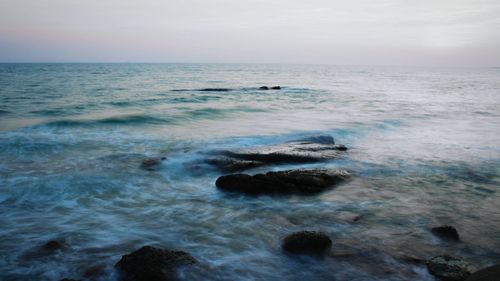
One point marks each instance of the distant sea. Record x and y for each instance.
(424, 146)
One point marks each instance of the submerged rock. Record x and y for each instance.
(54, 245)
(491, 273)
(152, 264)
(312, 150)
(449, 268)
(151, 164)
(322, 139)
(307, 242)
(95, 272)
(446, 232)
(282, 182)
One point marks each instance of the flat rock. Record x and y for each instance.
(152, 264)
(308, 150)
(307, 242)
(449, 268)
(282, 182)
(491, 273)
(446, 232)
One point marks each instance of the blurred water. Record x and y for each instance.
(424, 144)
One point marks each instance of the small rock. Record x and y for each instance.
(152, 264)
(54, 245)
(307, 242)
(491, 273)
(151, 164)
(446, 232)
(282, 182)
(275, 88)
(264, 88)
(449, 268)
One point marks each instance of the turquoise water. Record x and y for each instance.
(424, 146)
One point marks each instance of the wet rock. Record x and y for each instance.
(491, 273)
(54, 245)
(409, 258)
(152, 264)
(307, 242)
(282, 182)
(275, 88)
(234, 165)
(449, 268)
(151, 164)
(264, 88)
(214, 90)
(446, 232)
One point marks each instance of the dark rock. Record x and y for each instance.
(264, 88)
(307, 242)
(310, 150)
(233, 165)
(54, 245)
(151, 164)
(491, 273)
(449, 268)
(275, 88)
(446, 232)
(152, 264)
(282, 182)
(214, 90)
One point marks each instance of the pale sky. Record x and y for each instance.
(367, 32)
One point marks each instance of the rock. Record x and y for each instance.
(282, 182)
(264, 88)
(233, 165)
(491, 273)
(151, 164)
(152, 264)
(446, 232)
(275, 88)
(287, 153)
(449, 268)
(54, 245)
(307, 242)
(68, 279)
(214, 90)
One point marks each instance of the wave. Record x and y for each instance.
(114, 120)
(4, 112)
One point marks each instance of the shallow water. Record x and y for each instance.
(423, 144)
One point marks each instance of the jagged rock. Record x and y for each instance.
(307, 242)
(449, 268)
(282, 182)
(152, 264)
(491, 273)
(446, 232)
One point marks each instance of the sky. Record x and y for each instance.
(354, 32)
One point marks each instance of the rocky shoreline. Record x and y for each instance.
(150, 263)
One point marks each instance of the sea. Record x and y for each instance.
(423, 147)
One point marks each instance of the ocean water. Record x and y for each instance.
(424, 145)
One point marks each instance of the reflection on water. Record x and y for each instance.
(423, 144)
